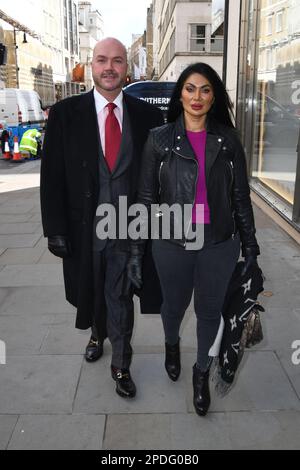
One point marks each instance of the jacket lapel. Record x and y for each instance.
(181, 143)
(214, 141)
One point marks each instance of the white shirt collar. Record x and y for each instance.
(101, 102)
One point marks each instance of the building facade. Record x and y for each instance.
(70, 48)
(90, 31)
(149, 42)
(43, 58)
(137, 58)
(184, 33)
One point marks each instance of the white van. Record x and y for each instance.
(20, 107)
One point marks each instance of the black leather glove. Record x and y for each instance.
(134, 266)
(250, 262)
(59, 245)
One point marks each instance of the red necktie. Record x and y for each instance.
(112, 137)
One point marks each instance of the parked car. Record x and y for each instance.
(21, 107)
(156, 93)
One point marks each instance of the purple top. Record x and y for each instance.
(200, 214)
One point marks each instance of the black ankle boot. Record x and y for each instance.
(201, 390)
(172, 360)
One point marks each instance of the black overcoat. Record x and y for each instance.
(70, 188)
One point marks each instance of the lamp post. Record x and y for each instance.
(16, 53)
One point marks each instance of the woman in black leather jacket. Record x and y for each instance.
(196, 159)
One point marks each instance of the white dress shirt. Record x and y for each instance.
(102, 113)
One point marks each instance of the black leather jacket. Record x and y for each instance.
(169, 175)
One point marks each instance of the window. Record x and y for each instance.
(269, 25)
(269, 59)
(216, 43)
(66, 42)
(279, 18)
(198, 38)
(67, 67)
(75, 23)
(71, 27)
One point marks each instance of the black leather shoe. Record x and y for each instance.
(172, 360)
(201, 390)
(125, 386)
(94, 350)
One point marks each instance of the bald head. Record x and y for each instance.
(111, 44)
(109, 67)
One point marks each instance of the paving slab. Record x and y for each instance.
(11, 181)
(26, 336)
(281, 326)
(18, 207)
(269, 234)
(278, 250)
(292, 369)
(19, 228)
(277, 269)
(64, 432)
(42, 242)
(7, 425)
(21, 256)
(63, 338)
(146, 431)
(48, 258)
(16, 218)
(19, 241)
(240, 430)
(285, 293)
(39, 384)
(261, 385)
(148, 334)
(35, 299)
(155, 391)
(147, 337)
(36, 217)
(31, 275)
(261, 221)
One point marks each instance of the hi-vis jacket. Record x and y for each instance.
(29, 141)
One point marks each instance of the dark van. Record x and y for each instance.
(156, 93)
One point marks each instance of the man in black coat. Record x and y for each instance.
(92, 152)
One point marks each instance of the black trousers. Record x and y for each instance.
(110, 271)
(207, 273)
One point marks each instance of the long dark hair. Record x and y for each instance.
(222, 107)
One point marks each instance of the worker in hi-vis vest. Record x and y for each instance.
(30, 141)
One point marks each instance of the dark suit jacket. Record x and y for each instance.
(70, 186)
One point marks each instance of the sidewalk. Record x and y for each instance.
(50, 398)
